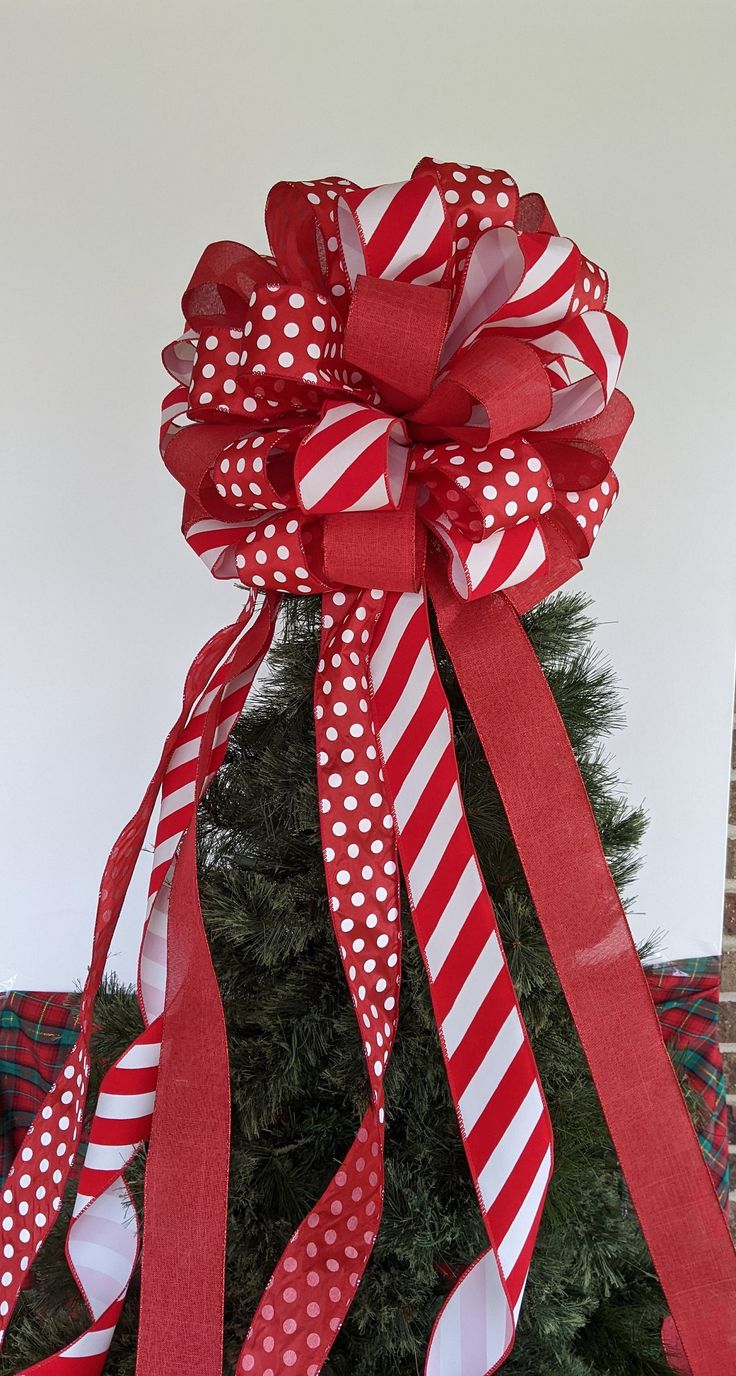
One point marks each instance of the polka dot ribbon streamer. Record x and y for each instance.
(413, 394)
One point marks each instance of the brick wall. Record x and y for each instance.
(728, 983)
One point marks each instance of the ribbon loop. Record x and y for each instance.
(394, 332)
(221, 285)
(356, 458)
(302, 231)
(508, 379)
(397, 232)
(486, 488)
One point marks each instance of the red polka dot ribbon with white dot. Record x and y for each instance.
(417, 387)
(102, 1241)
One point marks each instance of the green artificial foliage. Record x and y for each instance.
(593, 1306)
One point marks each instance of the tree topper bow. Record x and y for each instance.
(423, 359)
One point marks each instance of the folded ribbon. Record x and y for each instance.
(385, 404)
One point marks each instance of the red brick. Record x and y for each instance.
(727, 1022)
(731, 858)
(729, 914)
(728, 972)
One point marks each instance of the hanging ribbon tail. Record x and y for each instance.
(492, 1074)
(186, 1189)
(585, 926)
(186, 1181)
(49, 1149)
(102, 1241)
(316, 1278)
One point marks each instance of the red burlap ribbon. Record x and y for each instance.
(606, 988)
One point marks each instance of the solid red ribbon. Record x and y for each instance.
(191, 1127)
(579, 908)
(385, 549)
(394, 332)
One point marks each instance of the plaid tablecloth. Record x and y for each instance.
(686, 997)
(36, 1032)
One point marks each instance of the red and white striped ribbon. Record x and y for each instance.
(490, 1065)
(354, 459)
(502, 560)
(397, 231)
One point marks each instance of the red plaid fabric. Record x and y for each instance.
(686, 996)
(36, 1032)
(37, 1029)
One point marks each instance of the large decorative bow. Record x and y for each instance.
(417, 373)
(415, 392)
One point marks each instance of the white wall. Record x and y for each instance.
(132, 135)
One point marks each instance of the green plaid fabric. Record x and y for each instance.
(686, 995)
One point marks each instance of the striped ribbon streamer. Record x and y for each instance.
(493, 1077)
(102, 1243)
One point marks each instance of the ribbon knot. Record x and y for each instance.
(376, 549)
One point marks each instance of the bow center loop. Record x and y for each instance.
(394, 332)
(356, 458)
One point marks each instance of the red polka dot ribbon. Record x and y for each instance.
(414, 393)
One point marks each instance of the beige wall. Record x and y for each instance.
(134, 133)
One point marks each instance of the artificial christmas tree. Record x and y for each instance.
(593, 1306)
